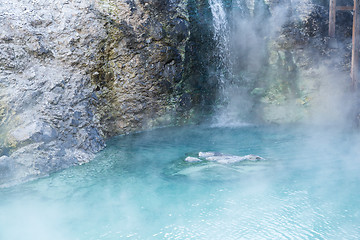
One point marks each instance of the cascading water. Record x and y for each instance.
(222, 38)
(242, 30)
(234, 103)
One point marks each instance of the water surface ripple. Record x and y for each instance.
(140, 187)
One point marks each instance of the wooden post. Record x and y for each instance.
(332, 18)
(355, 37)
(355, 46)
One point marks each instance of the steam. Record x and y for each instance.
(140, 187)
(332, 103)
(243, 53)
(32, 220)
(260, 80)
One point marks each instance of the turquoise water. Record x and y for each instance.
(139, 187)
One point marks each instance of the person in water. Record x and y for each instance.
(222, 158)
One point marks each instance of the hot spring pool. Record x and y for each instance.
(139, 187)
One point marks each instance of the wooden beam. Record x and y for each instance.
(344, 8)
(332, 18)
(356, 46)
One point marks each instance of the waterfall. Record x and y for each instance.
(233, 99)
(242, 30)
(219, 18)
(222, 38)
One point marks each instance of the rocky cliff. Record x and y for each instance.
(74, 72)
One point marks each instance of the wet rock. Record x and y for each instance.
(73, 73)
(6, 169)
(180, 29)
(156, 31)
(137, 81)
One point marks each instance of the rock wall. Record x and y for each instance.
(74, 72)
(307, 78)
(140, 63)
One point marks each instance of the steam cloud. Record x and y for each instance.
(268, 76)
